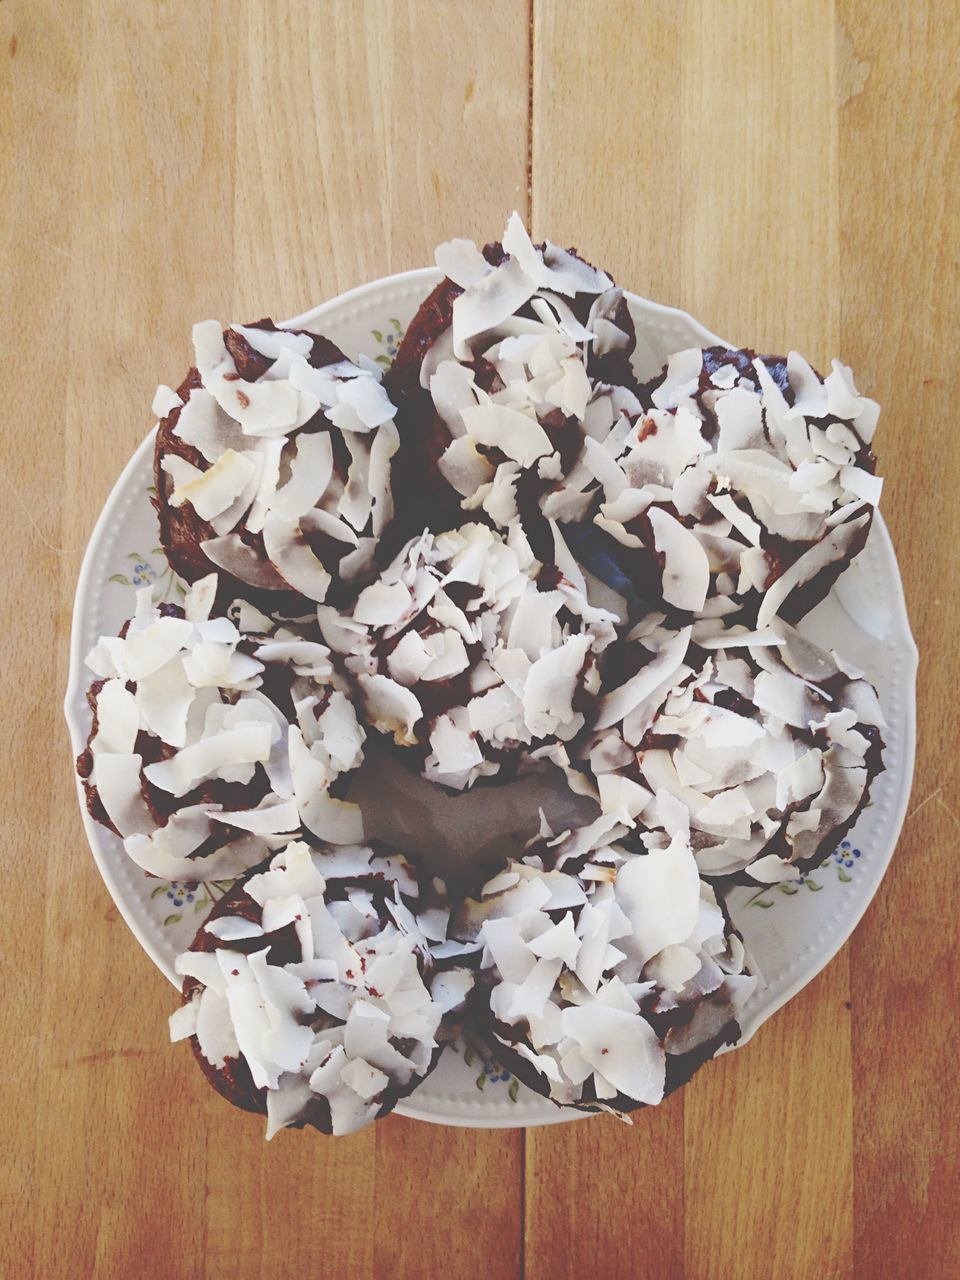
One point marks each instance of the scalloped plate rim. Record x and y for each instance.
(534, 1110)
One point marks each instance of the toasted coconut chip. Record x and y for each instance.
(518, 435)
(660, 894)
(740, 520)
(617, 704)
(199, 599)
(463, 468)
(143, 651)
(164, 700)
(165, 400)
(330, 819)
(213, 491)
(263, 408)
(788, 698)
(462, 262)
(455, 749)
(385, 445)
(273, 343)
(294, 562)
(834, 547)
(117, 779)
(488, 302)
(152, 853)
(772, 870)
(183, 1023)
(453, 389)
(242, 562)
(680, 378)
(390, 707)
(310, 471)
(118, 720)
(270, 819)
(686, 570)
(622, 797)
(362, 405)
(451, 987)
(233, 928)
(356, 501)
(204, 425)
(550, 687)
(216, 756)
(382, 604)
(621, 1047)
(337, 821)
(180, 471)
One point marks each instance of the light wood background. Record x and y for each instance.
(787, 172)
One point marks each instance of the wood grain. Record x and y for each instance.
(787, 173)
(899, 149)
(166, 162)
(762, 150)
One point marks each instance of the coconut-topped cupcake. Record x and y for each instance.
(212, 743)
(608, 983)
(746, 486)
(513, 370)
(310, 995)
(472, 655)
(762, 743)
(273, 464)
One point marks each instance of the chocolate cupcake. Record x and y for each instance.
(761, 745)
(310, 995)
(211, 745)
(514, 362)
(605, 984)
(744, 488)
(273, 465)
(476, 659)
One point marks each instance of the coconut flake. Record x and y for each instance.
(618, 703)
(518, 435)
(294, 561)
(622, 1049)
(488, 302)
(686, 571)
(165, 400)
(390, 707)
(463, 468)
(660, 893)
(772, 870)
(833, 547)
(118, 720)
(462, 262)
(228, 755)
(311, 469)
(550, 687)
(233, 928)
(117, 780)
(235, 557)
(454, 748)
(214, 490)
(204, 426)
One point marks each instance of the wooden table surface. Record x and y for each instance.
(787, 172)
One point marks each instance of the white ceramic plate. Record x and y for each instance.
(791, 930)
